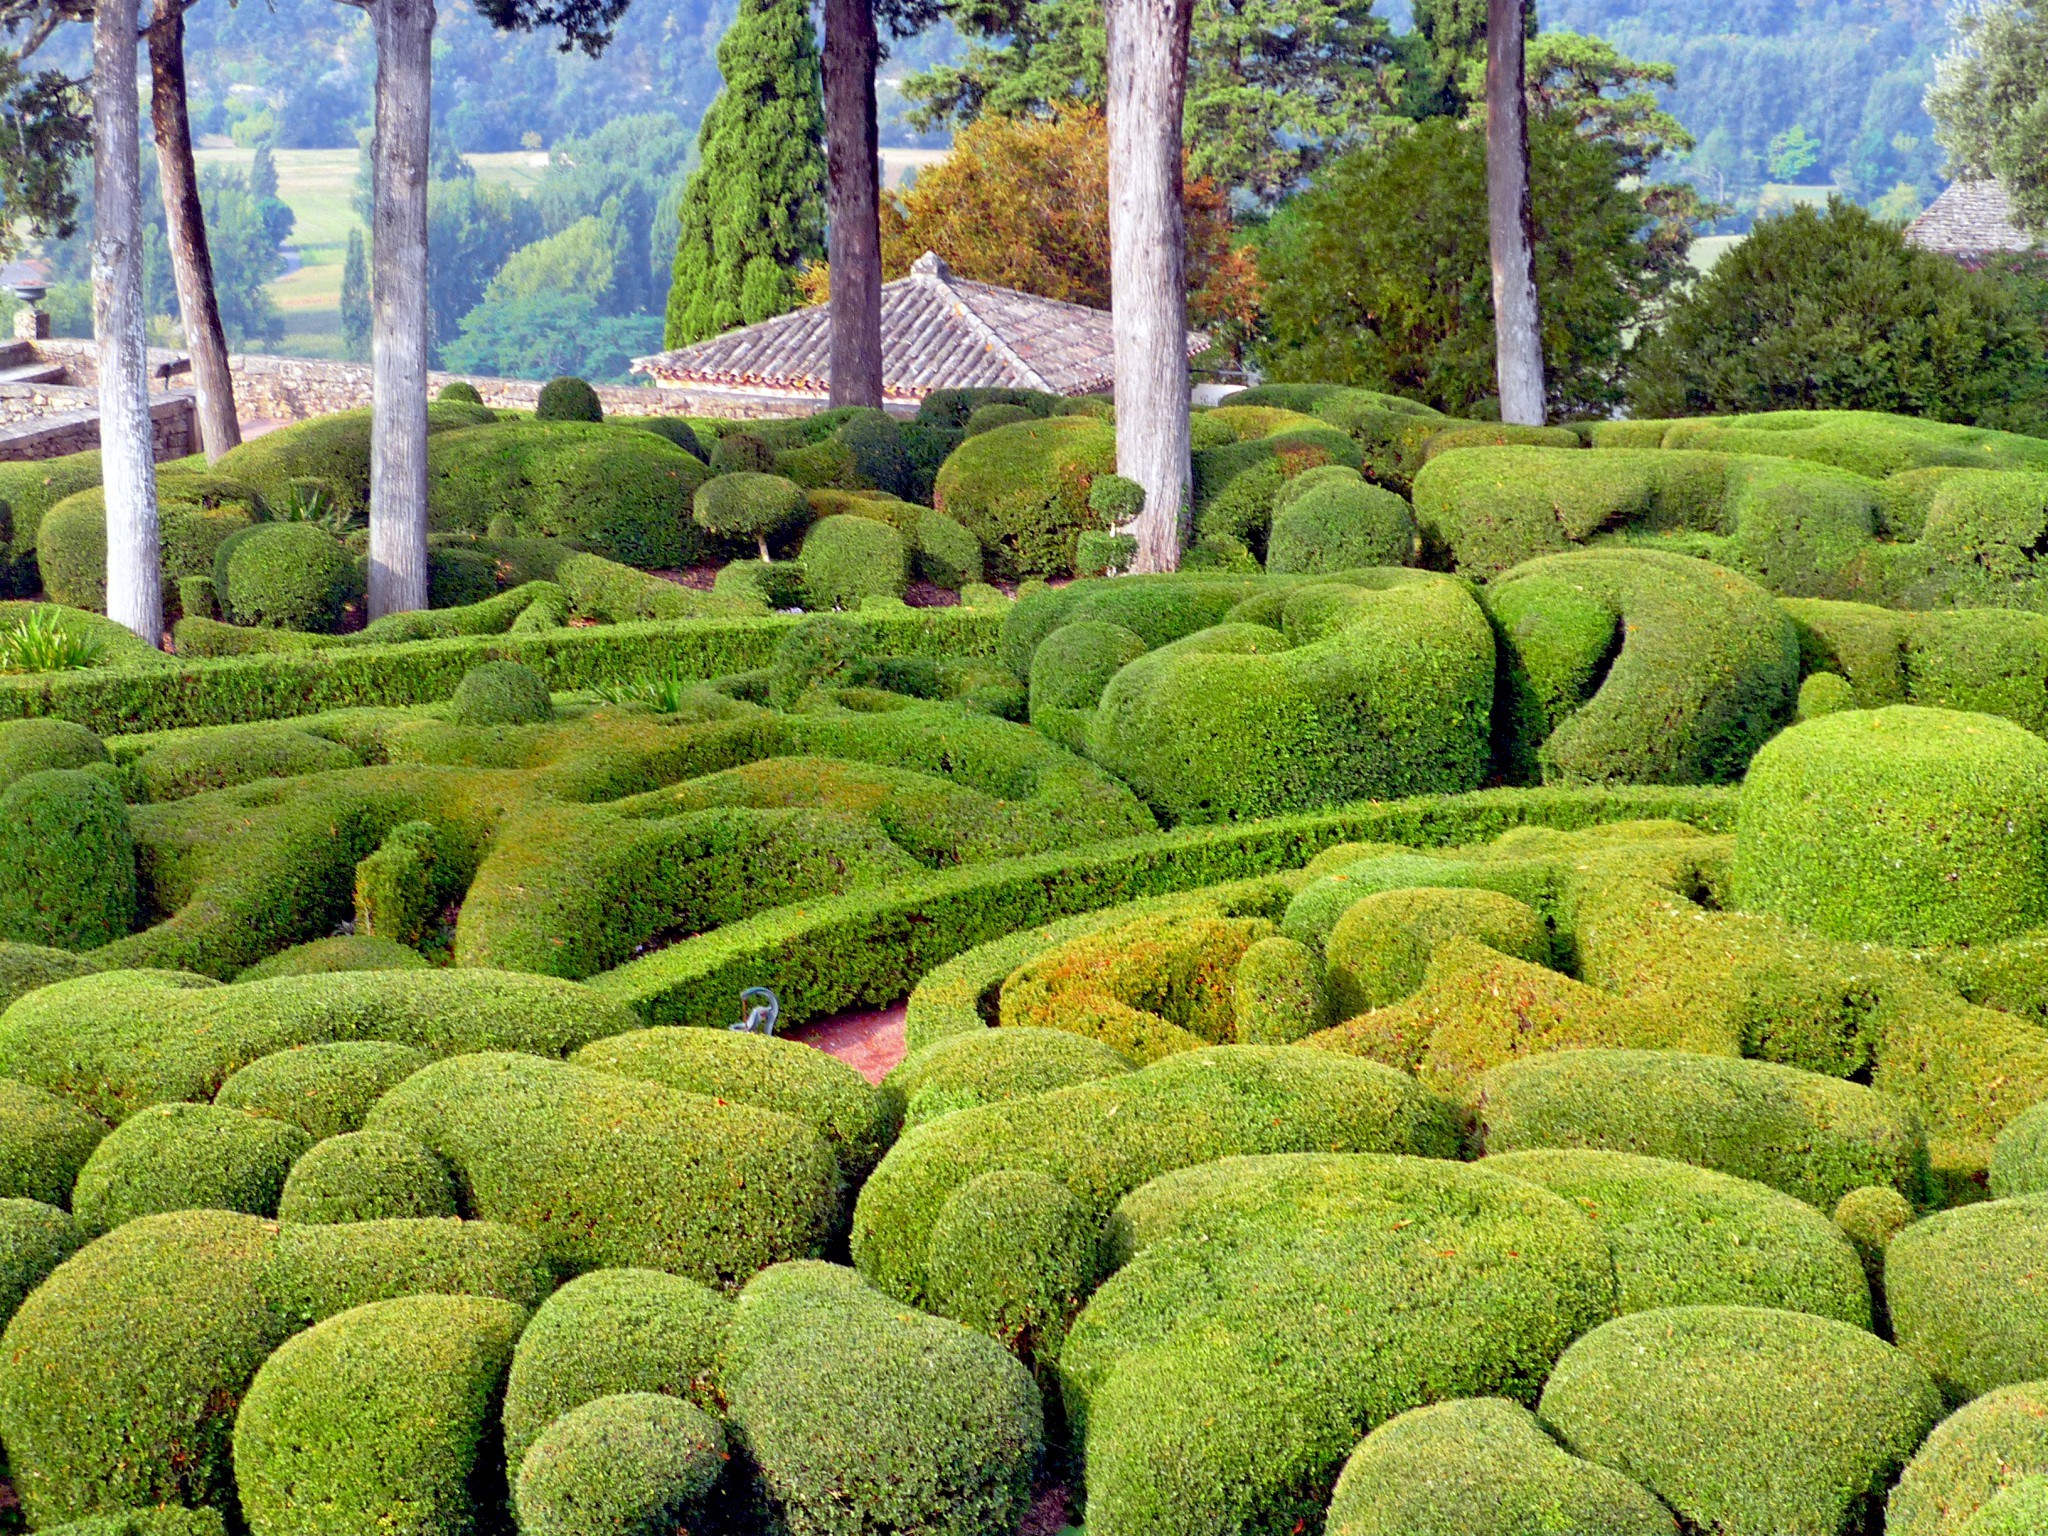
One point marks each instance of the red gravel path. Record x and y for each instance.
(870, 1042)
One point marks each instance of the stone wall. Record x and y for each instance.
(173, 418)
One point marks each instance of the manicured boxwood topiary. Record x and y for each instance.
(347, 952)
(741, 452)
(166, 1521)
(380, 1418)
(1713, 1409)
(1380, 948)
(854, 1413)
(635, 1464)
(24, 967)
(2019, 1163)
(460, 391)
(1824, 693)
(500, 693)
(44, 1141)
(1811, 1136)
(662, 1178)
(1963, 1287)
(334, 449)
(232, 755)
(1482, 1466)
(675, 429)
(123, 1371)
(1870, 1218)
(287, 576)
(186, 1157)
(846, 559)
(1022, 491)
(69, 851)
(34, 1239)
(614, 1331)
(783, 1075)
(1271, 1310)
(1898, 826)
(994, 1066)
(1686, 1236)
(35, 746)
(567, 399)
(325, 1090)
(746, 504)
(1987, 1446)
(1340, 523)
(1278, 993)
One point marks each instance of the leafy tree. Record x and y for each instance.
(1274, 86)
(1793, 153)
(473, 229)
(263, 173)
(245, 259)
(755, 208)
(355, 299)
(1834, 310)
(576, 260)
(44, 123)
(1379, 275)
(1990, 101)
(546, 336)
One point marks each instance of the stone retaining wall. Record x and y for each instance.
(174, 422)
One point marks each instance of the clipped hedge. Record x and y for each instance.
(633, 1464)
(1022, 491)
(325, 1090)
(1974, 1455)
(846, 559)
(24, 967)
(34, 1239)
(44, 1141)
(1714, 1410)
(367, 1176)
(173, 769)
(69, 853)
(36, 746)
(994, 1066)
(185, 1157)
(1965, 1295)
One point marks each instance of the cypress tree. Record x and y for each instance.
(355, 299)
(755, 208)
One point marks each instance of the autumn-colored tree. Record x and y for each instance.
(1024, 203)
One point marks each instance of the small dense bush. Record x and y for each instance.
(367, 1176)
(34, 1239)
(460, 391)
(1381, 947)
(1340, 525)
(287, 576)
(44, 1141)
(675, 429)
(1898, 826)
(746, 504)
(567, 399)
(993, 1066)
(1713, 1409)
(232, 755)
(37, 746)
(348, 952)
(1963, 1295)
(847, 559)
(1975, 1454)
(1022, 491)
(324, 1090)
(69, 853)
(500, 693)
(186, 1157)
(635, 1464)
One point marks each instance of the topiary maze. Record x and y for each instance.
(1511, 997)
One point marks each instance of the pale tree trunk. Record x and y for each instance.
(191, 260)
(1517, 323)
(404, 32)
(1148, 76)
(135, 595)
(854, 202)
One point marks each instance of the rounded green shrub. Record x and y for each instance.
(1715, 1410)
(2021, 1510)
(786, 1076)
(741, 452)
(325, 1090)
(335, 449)
(1340, 525)
(348, 952)
(747, 504)
(675, 430)
(1014, 1255)
(846, 559)
(123, 1371)
(1898, 826)
(165, 1521)
(35, 746)
(1685, 1236)
(2019, 1160)
(1870, 1218)
(658, 1177)
(24, 967)
(69, 853)
(71, 552)
(186, 1157)
(1278, 993)
(822, 651)
(34, 1239)
(1824, 693)
(947, 555)
(1964, 1288)
(44, 1141)
(859, 1414)
(288, 576)
(1270, 1310)
(460, 578)
(1022, 491)
(1074, 663)
(1973, 1456)
(1380, 948)
(1810, 1136)
(461, 391)
(613, 1331)
(367, 1176)
(236, 754)
(500, 693)
(997, 413)
(992, 1066)
(567, 399)
(1482, 1466)
(381, 1418)
(634, 1464)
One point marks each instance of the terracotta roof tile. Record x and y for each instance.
(938, 332)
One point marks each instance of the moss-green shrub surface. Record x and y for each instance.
(1974, 1455)
(1964, 1287)
(182, 1157)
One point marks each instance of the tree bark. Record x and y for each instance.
(135, 595)
(191, 260)
(404, 31)
(1148, 76)
(1511, 220)
(854, 201)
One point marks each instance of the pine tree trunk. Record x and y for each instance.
(191, 260)
(854, 198)
(135, 595)
(1517, 322)
(1148, 76)
(404, 30)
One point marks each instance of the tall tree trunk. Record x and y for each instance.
(404, 31)
(854, 201)
(135, 595)
(191, 260)
(1148, 78)
(1517, 323)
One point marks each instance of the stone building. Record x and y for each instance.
(1972, 221)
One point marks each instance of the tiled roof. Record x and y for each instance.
(1970, 218)
(938, 332)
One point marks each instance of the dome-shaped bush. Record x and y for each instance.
(1381, 947)
(69, 854)
(1022, 490)
(567, 399)
(746, 504)
(1966, 1296)
(460, 391)
(36, 746)
(34, 1239)
(847, 558)
(186, 1157)
(2019, 1161)
(675, 429)
(1278, 993)
(1973, 1455)
(1341, 525)
(1718, 1411)
(1825, 693)
(634, 1464)
(1898, 826)
(325, 1090)
(1074, 663)
(500, 693)
(44, 1141)
(346, 952)
(287, 576)
(367, 1176)
(2021, 1510)
(991, 1066)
